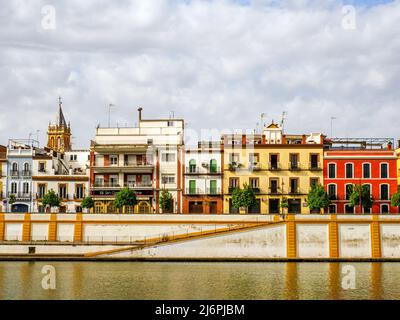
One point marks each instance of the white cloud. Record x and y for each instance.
(218, 64)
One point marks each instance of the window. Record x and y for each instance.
(314, 182)
(25, 187)
(332, 171)
(113, 160)
(26, 167)
(41, 190)
(233, 157)
(254, 183)
(273, 185)
(384, 209)
(79, 191)
(366, 170)
(192, 186)
(384, 170)
(14, 187)
(294, 184)
(168, 157)
(314, 161)
(42, 166)
(213, 186)
(233, 182)
(168, 179)
(349, 171)
(332, 191)
(192, 166)
(213, 166)
(73, 157)
(294, 160)
(254, 158)
(99, 180)
(62, 191)
(348, 209)
(170, 123)
(114, 179)
(273, 158)
(368, 188)
(15, 166)
(384, 192)
(349, 191)
(332, 209)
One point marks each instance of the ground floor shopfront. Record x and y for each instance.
(202, 204)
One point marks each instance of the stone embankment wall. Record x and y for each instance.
(202, 236)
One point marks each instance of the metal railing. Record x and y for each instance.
(274, 166)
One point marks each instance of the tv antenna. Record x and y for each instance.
(109, 114)
(284, 117)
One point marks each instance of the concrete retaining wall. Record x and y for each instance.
(302, 236)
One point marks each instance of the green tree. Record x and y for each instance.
(51, 199)
(125, 197)
(12, 199)
(318, 198)
(366, 199)
(166, 201)
(243, 198)
(284, 204)
(396, 199)
(88, 203)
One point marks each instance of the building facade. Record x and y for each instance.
(368, 162)
(146, 158)
(202, 182)
(3, 177)
(20, 155)
(280, 168)
(67, 174)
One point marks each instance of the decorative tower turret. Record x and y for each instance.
(59, 134)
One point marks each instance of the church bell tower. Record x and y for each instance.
(59, 133)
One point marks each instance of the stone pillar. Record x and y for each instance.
(26, 228)
(333, 238)
(291, 237)
(53, 227)
(375, 237)
(78, 228)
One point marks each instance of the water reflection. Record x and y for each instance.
(145, 280)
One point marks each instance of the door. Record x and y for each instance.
(192, 187)
(213, 186)
(213, 166)
(213, 207)
(295, 206)
(256, 208)
(195, 207)
(274, 206)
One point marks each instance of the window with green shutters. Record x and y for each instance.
(192, 186)
(213, 166)
(213, 186)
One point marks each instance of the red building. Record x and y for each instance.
(369, 162)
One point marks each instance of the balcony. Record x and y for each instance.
(256, 190)
(274, 166)
(14, 173)
(256, 166)
(333, 197)
(79, 196)
(26, 173)
(274, 191)
(103, 185)
(198, 191)
(315, 166)
(202, 170)
(21, 196)
(230, 189)
(132, 185)
(294, 191)
(138, 164)
(233, 166)
(294, 166)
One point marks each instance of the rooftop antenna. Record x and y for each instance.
(284, 114)
(332, 119)
(262, 124)
(172, 114)
(109, 114)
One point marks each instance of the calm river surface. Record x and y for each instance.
(168, 280)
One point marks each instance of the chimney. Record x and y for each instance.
(140, 113)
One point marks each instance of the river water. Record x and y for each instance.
(201, 281)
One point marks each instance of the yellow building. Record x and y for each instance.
(280, 168)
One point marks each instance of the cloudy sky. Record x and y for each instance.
(217, 64)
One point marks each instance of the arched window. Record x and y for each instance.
(192, 166)
(213, 166)
(26, 166)
(15, 166)
(52, 142)
(25, 187)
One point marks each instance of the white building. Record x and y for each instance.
(3, 177)
(146, 158)
(203, 179)
(67, 174)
